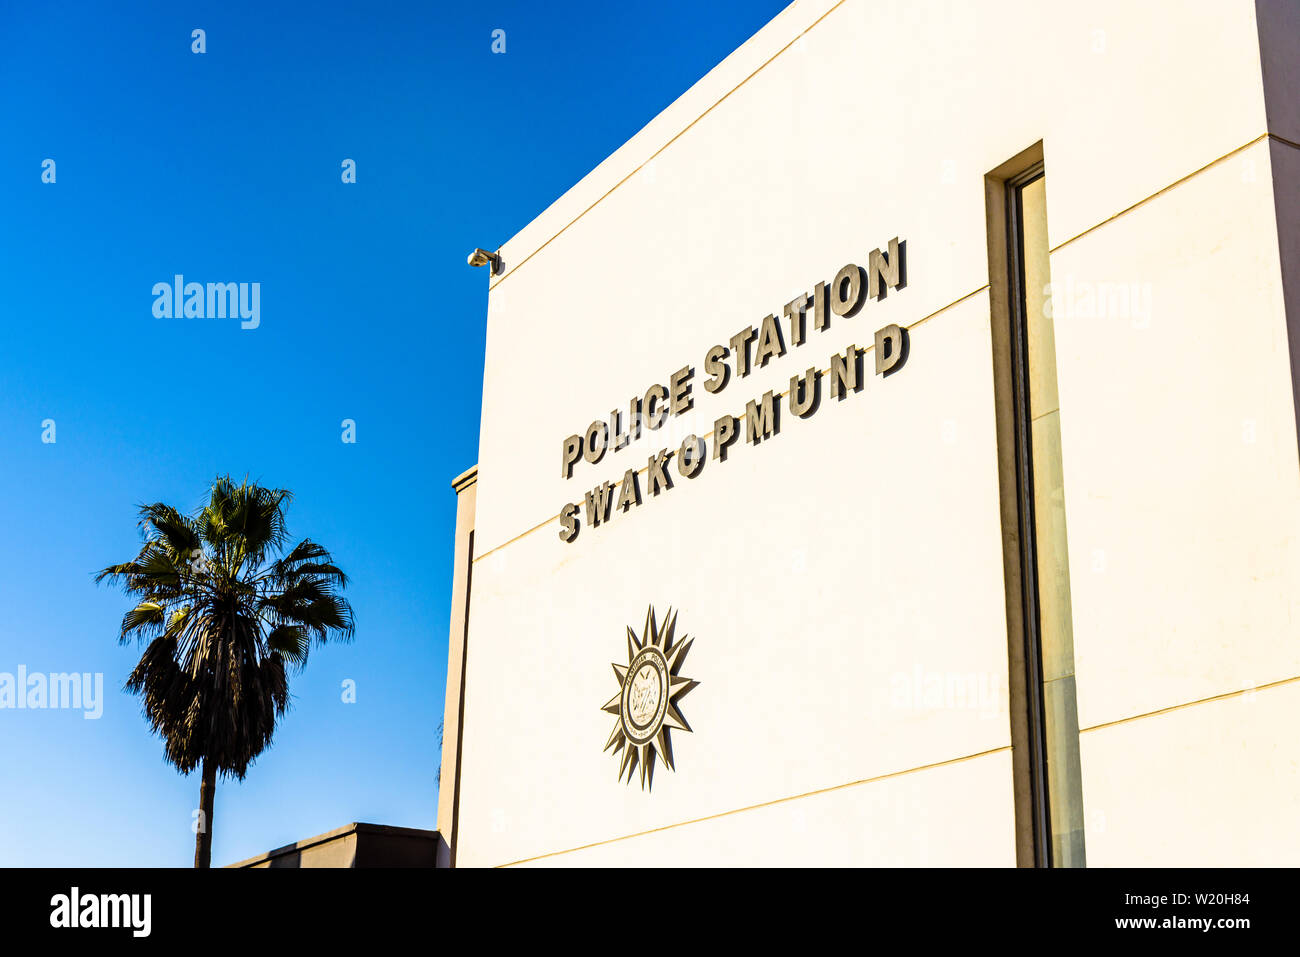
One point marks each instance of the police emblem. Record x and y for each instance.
(646, 703)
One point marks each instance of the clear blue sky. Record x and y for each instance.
(225, 166)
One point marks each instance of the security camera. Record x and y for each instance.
(481, 257)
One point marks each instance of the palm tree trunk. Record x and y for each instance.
(203, 839)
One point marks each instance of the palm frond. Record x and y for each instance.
(226, 611)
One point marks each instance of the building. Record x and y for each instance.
(355, 845)
(932, 368)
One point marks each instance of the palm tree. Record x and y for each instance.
(227, 612)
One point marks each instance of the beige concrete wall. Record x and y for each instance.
(340, 851)
(857, 555)
(813, 618)
(906, 820)
(1179, 424)
(354, 845)
(465, 488)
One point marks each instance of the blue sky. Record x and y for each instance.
(225, 166)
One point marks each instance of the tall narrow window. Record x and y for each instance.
(1045, 729)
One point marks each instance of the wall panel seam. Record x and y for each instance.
(754, 807)
(1191, 704)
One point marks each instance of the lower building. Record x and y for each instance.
(355, 845)
(889, 457)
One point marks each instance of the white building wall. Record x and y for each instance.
(830, 572)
